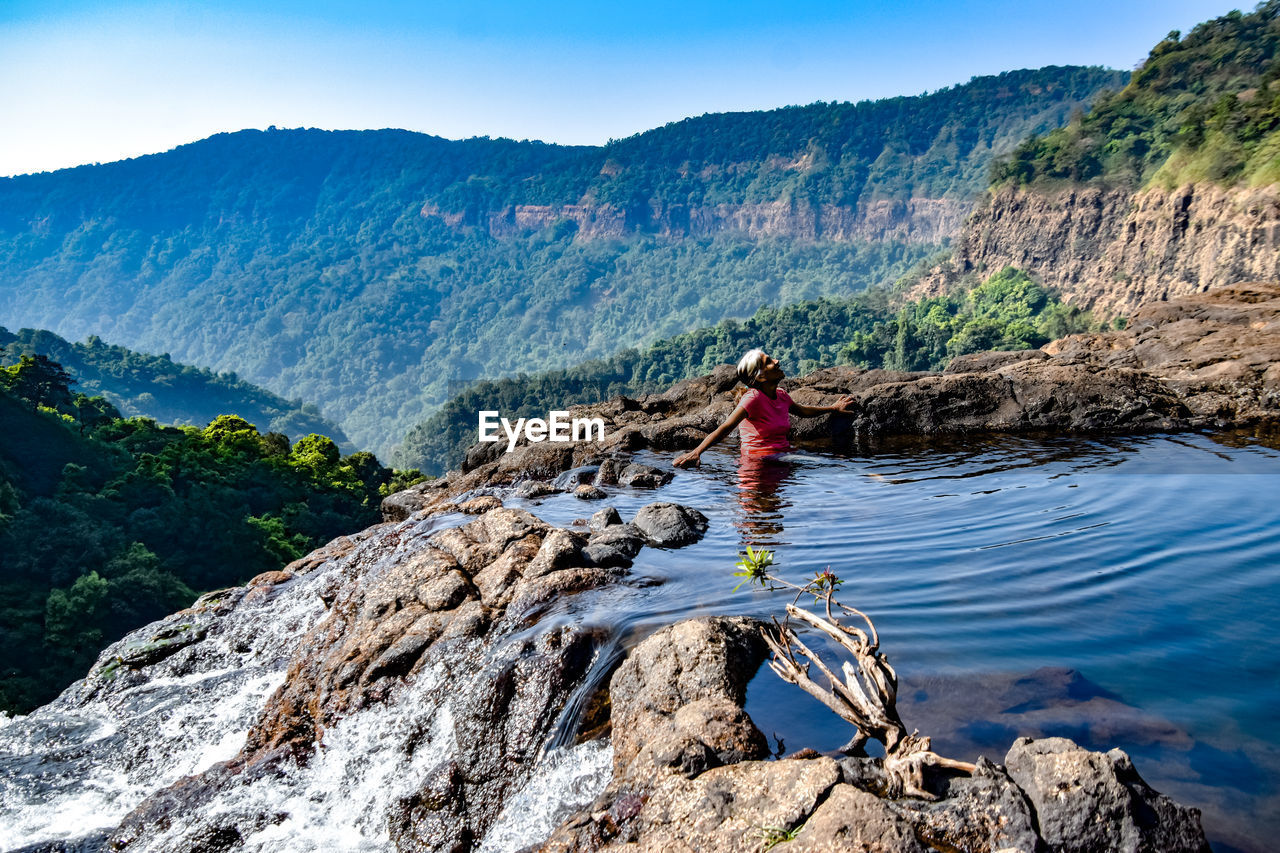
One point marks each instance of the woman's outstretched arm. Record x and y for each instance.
(842, 405)
(693, 456)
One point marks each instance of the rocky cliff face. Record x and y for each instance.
(916, 220)
(1113, 250)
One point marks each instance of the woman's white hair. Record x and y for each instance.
(749, 366)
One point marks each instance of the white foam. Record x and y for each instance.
(567, 779)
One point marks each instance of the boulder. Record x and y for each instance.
(1087, 802)
(669, 525)
(639, 476)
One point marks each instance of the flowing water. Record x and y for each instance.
(1122, 592)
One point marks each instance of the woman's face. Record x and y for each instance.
(770, 369)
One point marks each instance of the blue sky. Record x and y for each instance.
(89, 81)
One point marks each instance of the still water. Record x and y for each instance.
(1119, 591)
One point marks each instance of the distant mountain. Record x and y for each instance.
(365, 270)
(152, 386)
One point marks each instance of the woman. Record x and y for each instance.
(763, 411)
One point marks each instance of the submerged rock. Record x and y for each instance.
(639, 476)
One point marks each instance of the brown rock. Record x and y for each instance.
(853, 820)
(271, 578)
(480, 505)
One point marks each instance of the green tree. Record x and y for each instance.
(39, 381)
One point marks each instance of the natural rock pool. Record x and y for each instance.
(1118, 591)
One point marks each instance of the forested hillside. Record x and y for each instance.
(364, 270)
(1167, 188)
(1007, 311)
(108, 523)
(156, 387)
(1203, 107)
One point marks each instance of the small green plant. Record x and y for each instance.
(772, 836)
(823, 583)
(755, 567)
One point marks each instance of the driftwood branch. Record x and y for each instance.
(865, 694)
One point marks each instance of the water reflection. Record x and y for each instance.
(760, 497)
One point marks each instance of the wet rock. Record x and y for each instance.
(445, 592)
(501, 724)
(604, 518)
(582, 475)
(607, 475)
(434, 817)
(1086, 801)
(184, 807)
(588, 492)
(639, 476)
(560, 549)
(683, 683)
(676, 703)
(437, 618)
(614, 546)
(607, 556)
(480, 505)
(626, 538)
(669, 525)
(530, 489)
(529, 596)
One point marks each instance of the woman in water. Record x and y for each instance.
(763, 411)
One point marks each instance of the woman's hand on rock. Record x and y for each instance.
(844, 404)
(689, 459)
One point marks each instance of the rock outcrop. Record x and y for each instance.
(688, 776)
(1113, 251)
(1208, 360)
(440, 618)
(914, 220)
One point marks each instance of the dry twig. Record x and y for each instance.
(867, 694)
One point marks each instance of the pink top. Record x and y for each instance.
(767, 424)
